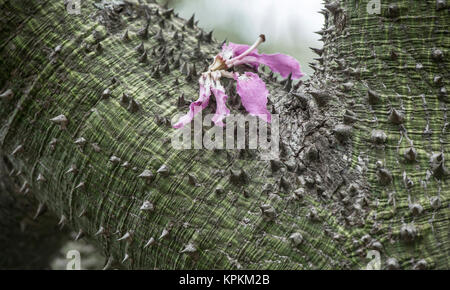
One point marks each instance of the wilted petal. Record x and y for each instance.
(230, 50)
(280, 63)
(252, 61)
(197, 106)
(221, 98)
(253, 94)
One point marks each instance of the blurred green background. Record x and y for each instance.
(289, 27)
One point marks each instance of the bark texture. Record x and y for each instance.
(25, 242)
(364, 141)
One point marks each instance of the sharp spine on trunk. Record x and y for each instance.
(296, 239)
(384, 176)
(162, 23)
(80, 141)
(98, 48)
(156, 74)
(374, 97)
(275, 165)
(288, 84)
(164, 170)
(150, 242)
(140, 48)
(114, 159)
(25, 186)
(42, 208)
(318, 51)
(393, 11)
(181, 101)
(96, 147)
(165, 233)
(100, 231)
(125, 36)
(80, 185)
(268, 212)
(190, 23)
(143, 33)
(284, 183)
(342, 132)
(167, 13)
(62, 222)
(143, 57)
(133, 106)
(79, 235)
(219, 190)
(108, 263)
(199, 35)
(438, 168)
(396, 117)
(192, 180)
(437, 55)
(333, 7)
(165, 68)
(183, 68)
(125, 258)
(238, 177)
(60, 120)
(18, 149)
(175, 35)
(189, 249)
(125, 98)
(440, 5)
(160, 36)
(7, 95)
(411, 154)
(126, 237)
(321, 97)
(72, 169)
(147, 175)
(82, 213)
(209, 37)
(408, 232)
(41, 178)
(147, 206)
(106, 94)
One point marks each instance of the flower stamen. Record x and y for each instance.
(218, 64)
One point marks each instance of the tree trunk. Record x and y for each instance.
(25, 243)
(363, 142)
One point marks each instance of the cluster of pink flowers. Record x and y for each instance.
(250, 87)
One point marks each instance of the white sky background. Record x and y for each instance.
(289, 25)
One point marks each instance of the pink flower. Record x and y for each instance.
(250, 87)
(197, 106)
(253, 94)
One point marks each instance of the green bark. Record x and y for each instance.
(29, 239)
(328, 185)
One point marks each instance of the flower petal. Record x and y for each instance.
(253, 94)
(280, 63)
(197, 106)
(230, 50)
(248, 60)
(221, 98)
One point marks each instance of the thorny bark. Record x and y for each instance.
(25, 243)
(364, 142)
